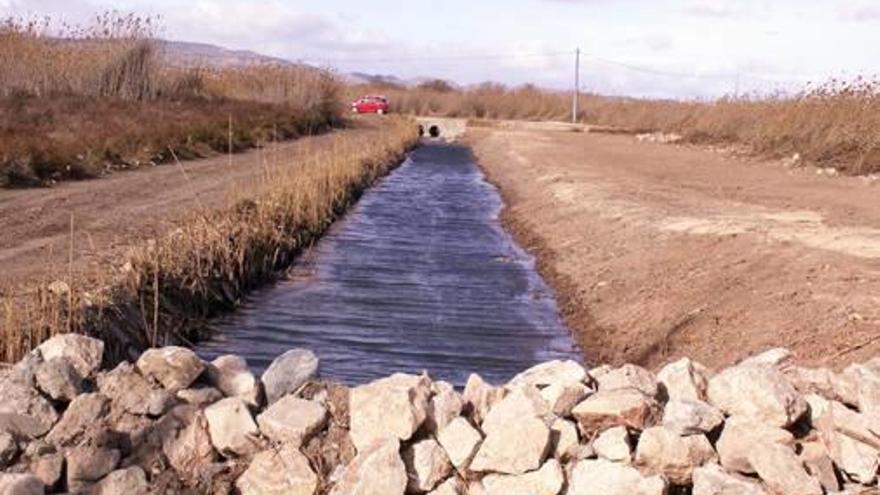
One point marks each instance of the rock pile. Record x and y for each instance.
(171, 423)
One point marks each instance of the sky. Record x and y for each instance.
(660, 48)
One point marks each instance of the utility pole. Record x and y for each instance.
(577, 86)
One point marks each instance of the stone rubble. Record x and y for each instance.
(171, 423)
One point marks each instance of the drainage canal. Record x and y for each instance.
(418, 276)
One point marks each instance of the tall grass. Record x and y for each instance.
(209, 260)
(834, 124)
(78, 101)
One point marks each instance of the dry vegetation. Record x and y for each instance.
(836, 124)
(205, 264)
(78, 101)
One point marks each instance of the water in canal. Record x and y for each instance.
(418, 276)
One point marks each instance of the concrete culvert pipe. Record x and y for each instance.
(434, 131)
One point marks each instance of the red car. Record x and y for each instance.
(371, 104)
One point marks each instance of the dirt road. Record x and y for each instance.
(113, 213)
(659, 251)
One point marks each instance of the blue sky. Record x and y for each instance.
(665, 48)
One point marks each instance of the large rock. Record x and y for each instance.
(232, 428)
(201, 396)
(59, 379)
(629, 376)
(186, 441)
(866, 379)
(551, 373)
(48, 467)
(620, 407)
(684, 379)
(426, 464)
(284, 471)
(129, 481)
(778, 357)
(479, 397)
(562, 397)
(445, 406)
(127, 389)
(377, 470)
(523, 402)
(84, 353)
(87, 464)
(820, 381)
(392, 407)
(176, 368)
(288, 372)
(292, 420)
(836, 416)
(460, 440)
(691, 417)
(858, 460)
(665, 452)
(712, 479)
(545, 481)
(20, 484)
(759, 392)
(231, 376)
(782, 471)
(23, 411)
(515, 450)
(594, 477)
(741, 436)
(614, 444)
(86, 411)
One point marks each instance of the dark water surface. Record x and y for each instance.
(418, 276)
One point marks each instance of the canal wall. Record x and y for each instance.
(172, 423)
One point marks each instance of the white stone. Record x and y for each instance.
(231, 376)
(684, 379)
(426, 464)
(691, 417)
(129, 481)
(858, 460)
(522, 402)
(629, 376)
(621, 407)
(23, 411)
(557, 372)
(282, 471)
(232, 427)
(565, 439)
(288, 372)
(452, 486)
(663, 451)
(84, 412)
(292, 420)
(741, 436)
(614, 444)
(836, 416)
(595, 477)
(133, 393)
(84, 353)
(392, 407)
(514, 450)
(547, 480)
(59, 379)
(782, 471)
(712, 479)
(460, 440)
(186, 441)
(377, 470)
(563, 397)
(176, 368)
(445, 406)
(819, 464)
(777, 357)
(759, 392)
(479, 397)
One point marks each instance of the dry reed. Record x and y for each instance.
(212, 258)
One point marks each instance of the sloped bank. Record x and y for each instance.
(171, 423)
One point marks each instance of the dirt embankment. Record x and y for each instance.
(659, 251)
(112, 214)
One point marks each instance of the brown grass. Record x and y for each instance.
(210, 259)
(836, 124)
(76, 102)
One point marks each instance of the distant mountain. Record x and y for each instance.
(185, 54)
